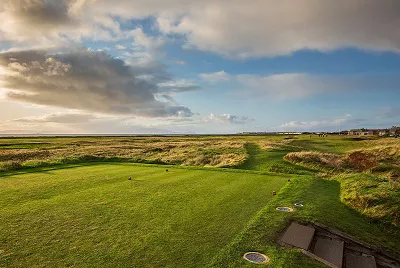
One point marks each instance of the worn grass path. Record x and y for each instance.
(93, 216)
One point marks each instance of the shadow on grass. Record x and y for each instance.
(51, 167)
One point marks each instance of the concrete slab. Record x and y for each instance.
(330, 250)
(298, 235)
(354, 260)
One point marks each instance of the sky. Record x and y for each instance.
(196, 67)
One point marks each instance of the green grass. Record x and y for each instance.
(93, 216)
(90, 215)
(321, 199)
(271, 160)
(331, 144)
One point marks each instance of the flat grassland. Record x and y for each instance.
(67, 201)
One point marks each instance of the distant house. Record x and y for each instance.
(372, 132)
(358, 132)
(354, 132)
(383, 132)
(394, 131)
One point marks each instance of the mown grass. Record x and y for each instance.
(271, 160)
(93, 216)
(321, 199)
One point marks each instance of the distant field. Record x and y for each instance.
(93, 216)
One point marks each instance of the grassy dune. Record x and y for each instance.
(16, 153)
(369, 175)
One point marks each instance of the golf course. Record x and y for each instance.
(189, 201)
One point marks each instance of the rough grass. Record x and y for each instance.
(377, 198)
(316, 160)
(93, 216)
(369, 176)
(191, 151)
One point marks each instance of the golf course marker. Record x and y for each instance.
(298, 204)
(255, 257)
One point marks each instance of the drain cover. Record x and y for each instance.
(286, 209)
(255, 257)
(298, 204)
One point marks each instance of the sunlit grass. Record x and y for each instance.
(93, 216)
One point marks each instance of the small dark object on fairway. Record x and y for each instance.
(255, 257)
(166, 170)
(129, 178)
(273, 193)
(288, 180)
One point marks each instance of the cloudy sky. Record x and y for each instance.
(186, 66)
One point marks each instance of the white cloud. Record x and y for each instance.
(120, 47)
(61, 118)
(227, 119)
(235, 28)
(317, 125)
(269, 28)
(143, 40)
(216, 77)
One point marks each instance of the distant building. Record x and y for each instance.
(372, 132)
(355, 132)
(383, 132)
(394, 131)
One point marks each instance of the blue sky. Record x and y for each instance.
(75, 66)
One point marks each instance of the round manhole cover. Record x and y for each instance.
(255, 257)
(286, 209)
(298, 204)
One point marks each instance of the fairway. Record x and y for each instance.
(93, 216)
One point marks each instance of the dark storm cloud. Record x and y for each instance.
(87, 80)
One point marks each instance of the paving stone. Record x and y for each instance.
(330, 250)
(298, 235)
(354, 260)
